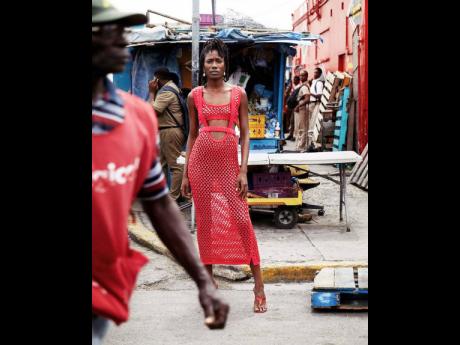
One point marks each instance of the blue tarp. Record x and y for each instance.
(160, 34)
(233, 34)
(146, 60)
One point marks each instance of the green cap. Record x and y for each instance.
(105, 13)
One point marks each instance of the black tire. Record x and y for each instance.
(286, 217)
(321, 213)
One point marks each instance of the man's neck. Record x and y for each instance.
(98, 87)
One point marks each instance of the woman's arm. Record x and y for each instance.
(244, 136)
(193, 134)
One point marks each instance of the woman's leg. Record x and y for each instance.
(260, 303)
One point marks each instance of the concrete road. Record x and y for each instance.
(165, 310)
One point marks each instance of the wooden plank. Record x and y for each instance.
(351, 127)
(363, 277)
(364, 151)
(360, 170)
(363, 176)
(344, 278)
(355, 169)
(365, 182)
(330, 77)
(339, 75)
(357, 166)
(325, 279)
(327, 94)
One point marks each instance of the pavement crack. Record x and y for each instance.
(309, 240)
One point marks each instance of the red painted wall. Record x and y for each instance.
(329, 19)
(363, 116)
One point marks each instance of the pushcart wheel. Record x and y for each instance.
(286, 217)
(321, 213)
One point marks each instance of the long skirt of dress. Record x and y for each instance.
(224, 228)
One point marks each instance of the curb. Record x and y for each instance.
(304, 272)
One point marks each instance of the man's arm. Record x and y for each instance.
(170, 226)
(162, 100)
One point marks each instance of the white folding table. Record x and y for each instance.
(309, 158)
(338, 157)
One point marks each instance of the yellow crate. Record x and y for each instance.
(256, 120)
(257, 132)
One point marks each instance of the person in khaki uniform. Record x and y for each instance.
(301, 115)
(170, 120)
(316, 90)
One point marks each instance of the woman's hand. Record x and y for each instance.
(185, 188)
(242, 185)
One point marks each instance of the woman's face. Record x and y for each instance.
(214, 65)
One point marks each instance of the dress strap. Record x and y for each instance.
(198, 99)
(235, 101)
(218, 129)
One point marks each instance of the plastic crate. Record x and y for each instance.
(256, 121)
(257, 132)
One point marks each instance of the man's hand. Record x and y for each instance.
(169, 223)
(215, 309)
(153, 85)
(242, 185)
(296, 109)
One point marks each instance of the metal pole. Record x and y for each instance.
(213, 12)
(167, 16)
(195, 65)
(195, 42)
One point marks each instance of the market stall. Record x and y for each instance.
(257, 63)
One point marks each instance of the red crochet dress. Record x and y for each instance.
(224, 228)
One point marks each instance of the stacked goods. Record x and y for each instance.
(257, 126)
(359, 175)
(324, 120)
(263, 118)
(273, 185)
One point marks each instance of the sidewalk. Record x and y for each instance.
(294, 254)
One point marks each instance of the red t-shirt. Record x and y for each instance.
(124, 165)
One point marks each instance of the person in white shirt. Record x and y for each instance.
(316, 90)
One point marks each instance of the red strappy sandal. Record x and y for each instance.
(260, 304)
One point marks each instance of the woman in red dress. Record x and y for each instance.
(213, 175)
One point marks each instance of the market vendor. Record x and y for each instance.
(316, 90)
(170, 121)
(301, 113)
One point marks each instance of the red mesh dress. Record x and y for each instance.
(224, 228)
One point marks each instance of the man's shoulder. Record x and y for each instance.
(304, 88)
(170, 85)
(167, 92)
(134, 101)
(138, 108)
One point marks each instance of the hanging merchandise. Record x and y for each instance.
(277, 130)
(239, 78)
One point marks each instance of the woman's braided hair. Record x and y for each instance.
(221, 48)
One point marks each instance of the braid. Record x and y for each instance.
(221, 48)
